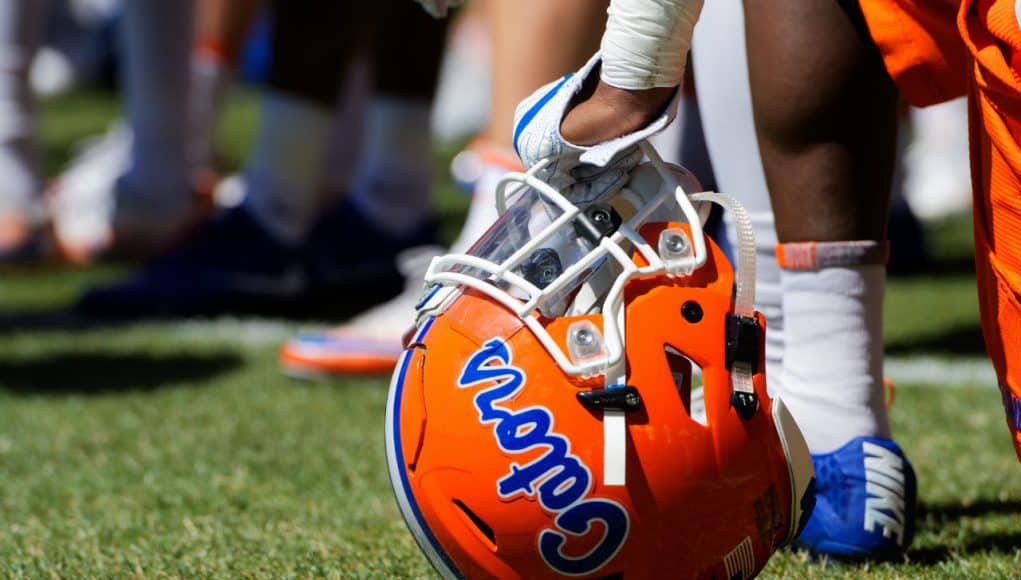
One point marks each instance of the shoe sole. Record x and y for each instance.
(319, 369)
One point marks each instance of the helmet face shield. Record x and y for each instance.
(546, 257)
(532, 267)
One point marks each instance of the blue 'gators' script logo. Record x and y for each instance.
(559, 479)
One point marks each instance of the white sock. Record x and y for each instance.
(157, 42)
(393, 186)
(20, 28)
(832, 377)
(348, 133)
(495, 162)
(725, 103)
(211, 76)
(285, 169)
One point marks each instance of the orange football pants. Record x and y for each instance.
(939, 49)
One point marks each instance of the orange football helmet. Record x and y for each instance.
(542, 420)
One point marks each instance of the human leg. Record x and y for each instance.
(825, 113)
(221, 28)
(20, 215)
(521, 38)
(130, 192)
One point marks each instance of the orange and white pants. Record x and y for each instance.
(939, 49)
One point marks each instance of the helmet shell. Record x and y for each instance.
(497, 466)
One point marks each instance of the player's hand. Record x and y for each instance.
(589, 131)
(439, 8)
(610, 112)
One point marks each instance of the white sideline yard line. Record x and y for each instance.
(244, 332)
(943, 373)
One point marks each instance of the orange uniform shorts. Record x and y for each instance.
(939, 49)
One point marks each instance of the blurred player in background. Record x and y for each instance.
(521, 37)
(221, 29)
(277, 249)
(937, 180)
(372, 342)
(101, 201)
(22, 214)
(133, 192)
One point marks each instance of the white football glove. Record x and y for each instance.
(584, 174)
(439, 8)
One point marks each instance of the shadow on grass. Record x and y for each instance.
(961, 340)
(995, 543)
(94, 373)
(939, 516)
(951, 512)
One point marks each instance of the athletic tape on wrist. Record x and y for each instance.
(646, 42)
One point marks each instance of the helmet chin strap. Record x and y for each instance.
(614, 447)
(615, 429)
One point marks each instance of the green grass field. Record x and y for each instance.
(177, 449)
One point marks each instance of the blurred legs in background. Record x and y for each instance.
(724, 96)
(247, 258)
(353, 254)
(288, 159)
(131, 193)
(383, 234)
(221, 28)
(521, 35)
(276, 249)
(21, 212)
(937, 180)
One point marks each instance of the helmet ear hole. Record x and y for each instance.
(685, 372)
(483, 530)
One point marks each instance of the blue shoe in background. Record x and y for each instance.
(865, 502)
(232, 265)
(346, 255)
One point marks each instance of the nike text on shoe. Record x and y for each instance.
(865, 503)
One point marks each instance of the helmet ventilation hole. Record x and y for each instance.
(685, 372)
(481, 528)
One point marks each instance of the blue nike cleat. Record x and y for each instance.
(865, 502)
(347, 255)
(231, 265)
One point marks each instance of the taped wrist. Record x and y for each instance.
(646, 42)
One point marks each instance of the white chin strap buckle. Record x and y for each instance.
(614, 448)
(615, 402)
